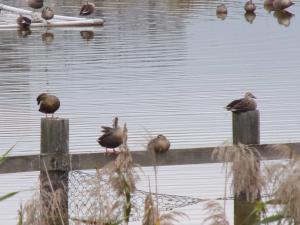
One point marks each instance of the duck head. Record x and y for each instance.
(249, 95)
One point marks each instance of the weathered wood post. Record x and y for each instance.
(246, 130)
(54, 178)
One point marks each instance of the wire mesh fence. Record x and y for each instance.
(92, 197)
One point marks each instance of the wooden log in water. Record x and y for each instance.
(245, 130)
(95, 22)
(28, 12)
(54, 183)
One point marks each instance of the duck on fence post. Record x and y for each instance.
(245, 130)
(54, 180)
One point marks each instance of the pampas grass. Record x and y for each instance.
(244, 168)
(152, 216)
(215, 214)
(122, 176)
(284, 184)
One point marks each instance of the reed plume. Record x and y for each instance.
(244, 168)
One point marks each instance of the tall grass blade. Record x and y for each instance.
(6, 196)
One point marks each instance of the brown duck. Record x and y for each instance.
(87, 9)
(47, 13)
(48, 103)
(112, 136)
(36, 4)
(244, 104)
(23, 21)
(159, 144)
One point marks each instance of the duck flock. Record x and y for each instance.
(48, 13)
(113, 137)
(250, 7)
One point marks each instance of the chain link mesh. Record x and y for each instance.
(83, 203)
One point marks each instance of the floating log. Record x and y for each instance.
(93, 22)
(57, 21)
(28, 12)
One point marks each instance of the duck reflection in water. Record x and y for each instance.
(48, 37)
(87, 35)
(24, 32)
(283, 17)
(250, 17)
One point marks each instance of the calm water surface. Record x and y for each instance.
(161, 66)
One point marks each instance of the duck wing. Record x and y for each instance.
(233, 103)
(244, 105)
(107, 130)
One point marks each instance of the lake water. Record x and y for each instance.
(161, 66)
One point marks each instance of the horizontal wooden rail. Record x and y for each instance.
(82, 161)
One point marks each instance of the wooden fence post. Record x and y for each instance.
(245, 130)
(54, 180)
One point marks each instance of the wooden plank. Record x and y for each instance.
(30, 13)
(27, 163)
(54, 140)
(245, 130)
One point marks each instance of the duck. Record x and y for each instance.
(113, 136)
(249, 7)
(282, 4)
(268, 2)
(244, 104)
(49, 104)
(36, 4)
(159, 144)
(47, 13)
(23, 21)
(87, 9)
(221, 9)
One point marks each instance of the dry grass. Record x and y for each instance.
(104, 210)
(284, 183)
(153, 217)
(244, 167)
(36, 213)
(122, 176)
(216, 214)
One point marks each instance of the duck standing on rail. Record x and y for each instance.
(87, 9)
(112, 137)
(159, 144)
(244, 104)
(49, 104)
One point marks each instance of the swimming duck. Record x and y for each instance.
(23, 21)
(221, 9)
(282, 4)
(47, 13)
(87, 9)
(36, 4)
(113, 136)
(249, 7)
(48, 103)
(244, 104)
(159, 144)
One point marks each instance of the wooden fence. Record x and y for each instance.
(55, 161)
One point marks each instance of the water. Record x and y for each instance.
(161, 66)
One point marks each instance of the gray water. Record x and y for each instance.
(160, 66)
